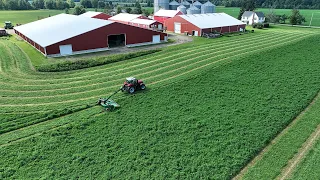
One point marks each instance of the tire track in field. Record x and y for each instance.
(306, 147)
(275, 140)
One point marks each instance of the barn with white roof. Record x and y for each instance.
(65, 34)
(197, 24)
(137, 20)
(162, 15)
(97, 15)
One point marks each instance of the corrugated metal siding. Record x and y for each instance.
(99, 38)
(102, 16)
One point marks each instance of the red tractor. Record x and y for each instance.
(132, 84)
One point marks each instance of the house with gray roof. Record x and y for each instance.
(251, 17)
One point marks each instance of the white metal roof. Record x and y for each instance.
(125, 17)
(90, 14)
(211, 20)
(166, 13)
(57, 28)
(143, 21)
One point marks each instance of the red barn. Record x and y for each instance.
(196, 24)
(137, 20)
(65, 34)
(97, 15)
(163, 15)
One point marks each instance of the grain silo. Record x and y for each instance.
(197, 4)
(173, 5)
(193, 10)
(161, 4)
(208, 7)
(186, 4)
(183, 9)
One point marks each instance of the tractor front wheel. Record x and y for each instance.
(142, 87)
(131, 90)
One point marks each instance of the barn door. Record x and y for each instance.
(177, 27)
(65, 49)
(156, 38)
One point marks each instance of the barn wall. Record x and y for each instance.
(34, 44)
(102, 16)
(185, 25)
(162, 19)
(98, 38)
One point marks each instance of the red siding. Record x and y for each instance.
(102, 16)
(162, 19)
(139, 25)
(98, 38)
(186, 26)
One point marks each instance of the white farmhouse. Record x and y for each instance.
(251, 17)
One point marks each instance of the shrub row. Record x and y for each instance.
(86, 63)
(260, 25)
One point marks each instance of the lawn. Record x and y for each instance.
(209, 107)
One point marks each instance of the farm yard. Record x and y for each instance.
(210, 107)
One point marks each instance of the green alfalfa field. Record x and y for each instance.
(209, 108)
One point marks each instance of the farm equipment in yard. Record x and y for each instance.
(8, 25)
(130, 85)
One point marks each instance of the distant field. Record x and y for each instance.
(305, 12)
(29, 16)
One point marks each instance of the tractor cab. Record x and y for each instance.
(8, 25)
(131, 80)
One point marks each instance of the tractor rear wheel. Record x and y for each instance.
(131, 90)
(142, 87)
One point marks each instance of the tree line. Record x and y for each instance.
(277, 4)
(36, 4)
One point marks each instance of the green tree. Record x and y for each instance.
(149, 3)
(119, 9)
(11, 4)
(94, 3)
(128, 10)
(66, 11)
(50, 4)
(1, 4)
(86, 3)
(145, 12)
(101, 4)
(79, 10)
(71, 3)
(296, 17)
(60, 4)
(38, 4)
(137, 8)
(247, 5)
(283, 18)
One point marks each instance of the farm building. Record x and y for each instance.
(251, 17)
(137, 20)
(196, 24)
(163, 15)
(97, 15)
(65, 34)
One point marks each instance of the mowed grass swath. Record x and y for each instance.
(205, 114)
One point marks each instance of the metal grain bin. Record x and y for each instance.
(186, 4)
(208, 7)
(161, 4)
(183, 9)
(193, 10)
(173, 5)
(197, 4)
